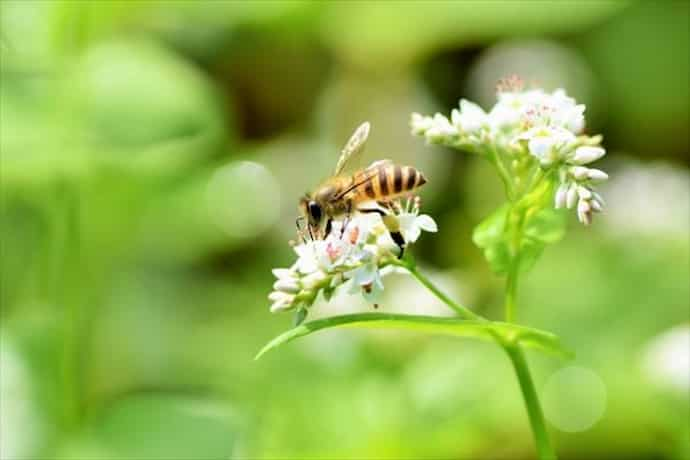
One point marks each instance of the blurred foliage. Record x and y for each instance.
(152, 153)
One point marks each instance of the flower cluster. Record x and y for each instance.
(546, 127)
(359, 254)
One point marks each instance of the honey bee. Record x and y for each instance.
(342, 193)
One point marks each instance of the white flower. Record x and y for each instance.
(411, 226)
(548, 145)
(367, 280)
(470, 119)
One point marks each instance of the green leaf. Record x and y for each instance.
(546, 226)
(502, 333)
(300, 316)
(490, 236)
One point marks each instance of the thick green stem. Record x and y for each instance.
(534, 412)
(462, 311)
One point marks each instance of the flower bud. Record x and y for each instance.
(599, 198)
(579, 172)
(584, 212)
(420, 124)
(587, 154)
(561, 195)
(286, 285)
(275, 296)
(313, 280)
(597, 175)
(584, 193)
(571, 196)
(455, 118)
(281, 304)
(283, 273)
(596, 206)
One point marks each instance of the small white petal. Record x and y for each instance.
(597, 175)
(541, 147)
(426, 223)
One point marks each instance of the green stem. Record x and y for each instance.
(511, 291)
(502, 171)
(534, 412)
(462, 311)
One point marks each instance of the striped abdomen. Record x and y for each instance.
(386, 180)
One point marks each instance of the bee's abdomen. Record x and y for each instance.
(390, 180)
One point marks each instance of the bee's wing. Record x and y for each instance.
(377, 164)
(353, 148)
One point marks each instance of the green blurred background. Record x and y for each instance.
(152, 156)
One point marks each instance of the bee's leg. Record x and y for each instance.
(367, 211)
(384, 204)
(346, 221)
(400, 241)
(395, 235)
(329, 227)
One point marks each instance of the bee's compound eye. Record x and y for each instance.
(315, 211)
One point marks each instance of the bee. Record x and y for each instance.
(342, 193)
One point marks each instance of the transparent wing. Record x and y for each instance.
(353, 148)
(378, 163)
(368, 176)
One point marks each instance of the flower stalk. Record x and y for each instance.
(529, 393)
(462, 311)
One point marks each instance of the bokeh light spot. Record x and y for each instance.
(243, 199)
(574, 399)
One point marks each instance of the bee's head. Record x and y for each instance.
(312, 210)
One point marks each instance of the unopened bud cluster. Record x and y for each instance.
(545, 127)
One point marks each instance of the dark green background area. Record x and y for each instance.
(151, 157)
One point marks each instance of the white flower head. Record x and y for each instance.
(523, 127)
(357, 253)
